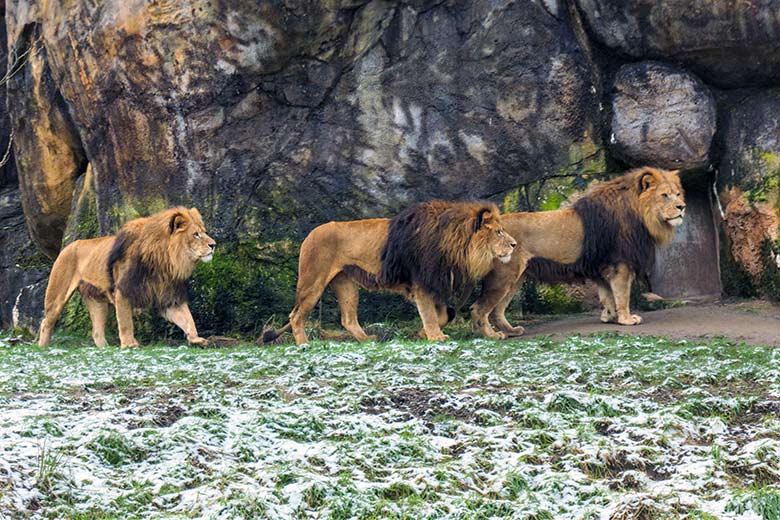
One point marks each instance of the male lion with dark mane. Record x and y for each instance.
(608, 236)
(146, 264)
(424, 253)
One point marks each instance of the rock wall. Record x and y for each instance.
(275, 117)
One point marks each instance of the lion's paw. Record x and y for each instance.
(514, 331)
(607, 317)
(634, 319)
(197, 341)
(489, 333)
(132, 344)
(438, 337)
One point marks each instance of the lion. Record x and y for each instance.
(146, 264)
(423, 253)
(608, 236)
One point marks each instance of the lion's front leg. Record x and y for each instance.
(498, 289)
(182, 317)
(499, 313)
(620, 280)
(426, 306)
(124, 320)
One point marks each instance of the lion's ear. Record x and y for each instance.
(178, 221)
(484, 216)
(646, 181)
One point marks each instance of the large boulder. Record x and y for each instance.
(7, 169)
(274, 117)
(728, 43)
(661, 115)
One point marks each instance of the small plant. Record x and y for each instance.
(116, 450)
(49, 464)
(763, 501)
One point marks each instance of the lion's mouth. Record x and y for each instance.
(206, 258)
(506, 258)
(676, 221)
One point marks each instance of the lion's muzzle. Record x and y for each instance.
(208, 256)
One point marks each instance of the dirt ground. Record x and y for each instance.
(754, 322)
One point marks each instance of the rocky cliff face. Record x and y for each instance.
(277, 116)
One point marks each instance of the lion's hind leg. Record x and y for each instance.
(347, 293)
(307, 295)
(98, 314)
(62, 283)
(499, 312)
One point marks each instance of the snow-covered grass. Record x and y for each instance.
(606, 427)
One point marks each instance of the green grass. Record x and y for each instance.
(405, 429)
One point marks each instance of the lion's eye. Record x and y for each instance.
(665, 195)
(197, 234)
(500, 233)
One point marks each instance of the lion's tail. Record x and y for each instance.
(271, 335)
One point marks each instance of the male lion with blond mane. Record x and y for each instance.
(425, 253)
(608, 236)
(146, 264)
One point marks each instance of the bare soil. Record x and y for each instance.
(752, 322)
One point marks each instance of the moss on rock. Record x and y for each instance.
(83, 221)
(736, 280)
(244, 285)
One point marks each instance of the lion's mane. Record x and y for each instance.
(619, 227)
(438, 246)
(149, 264)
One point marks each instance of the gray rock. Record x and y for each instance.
(749, 138)
(726, 42)
(23, 271)
(661, 116)
(278, 118)
(47, 149)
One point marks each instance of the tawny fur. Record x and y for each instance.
(146, 264)
(346, 256)
(608, 235)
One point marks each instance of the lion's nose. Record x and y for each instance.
(681, 207)
(212, 245)
(513, 244)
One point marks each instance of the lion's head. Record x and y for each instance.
(188, 236)
(489, 237)
(442, 246)
(661, 201)
(152, 257)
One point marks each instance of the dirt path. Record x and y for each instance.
(756, 323)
